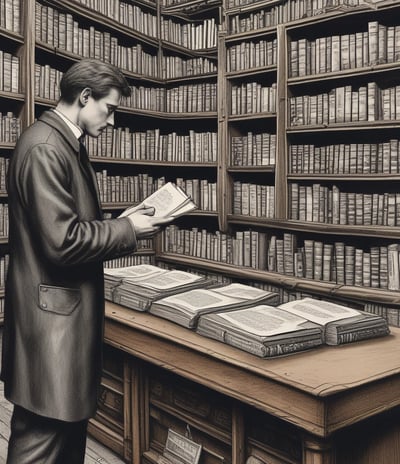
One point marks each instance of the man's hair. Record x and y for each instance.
(100, 77)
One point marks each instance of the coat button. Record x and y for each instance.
(44, 305)
(44, 289)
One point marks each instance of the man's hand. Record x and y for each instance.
(144, 223)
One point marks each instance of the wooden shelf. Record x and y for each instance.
(360, 230)
(171, 164)
(345, 74)
(8, 34)
(251, 72)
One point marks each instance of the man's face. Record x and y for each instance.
(96, 115)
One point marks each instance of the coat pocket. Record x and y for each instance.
(59, 300)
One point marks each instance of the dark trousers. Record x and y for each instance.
(40, 440)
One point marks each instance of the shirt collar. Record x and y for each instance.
(76, 130)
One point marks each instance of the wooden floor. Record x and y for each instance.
(95, 452)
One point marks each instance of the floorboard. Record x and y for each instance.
(96, 453)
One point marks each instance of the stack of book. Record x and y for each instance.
(185, 308)
(140, 294)
(114, 276)
(267, 331)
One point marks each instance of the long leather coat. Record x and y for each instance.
(54, 304)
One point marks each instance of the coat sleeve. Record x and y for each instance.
(44, 184)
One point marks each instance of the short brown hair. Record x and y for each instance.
(99, 76)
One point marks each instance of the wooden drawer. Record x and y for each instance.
(188, 408)
(270, 440)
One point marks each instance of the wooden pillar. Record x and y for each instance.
(318, 451)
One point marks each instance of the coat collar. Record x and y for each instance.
(52, 119)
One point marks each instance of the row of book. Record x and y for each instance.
(237, 314)
(304, 7)
(247, 55)
(337, 262)
(318, 203)
(4, 220)
(253, 149)
(61, 30)
(125, 13)
(10, 15)
(245, 248)
(253, 199)
(343, 104)
(184, 98)
(285, 12)
(351, 158)
(120, 11)
(252, 97)
(202, 192)
(10, 127)
(391, 314)
(194, 35)
(4, 262)
(9, 72)
(174, 66)
(47, 82)
(379, 44)
(114, 189)
(151, 145)
(130, 260)
(121, 189)
(4, 163)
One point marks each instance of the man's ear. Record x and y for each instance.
(84, 96)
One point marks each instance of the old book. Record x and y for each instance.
(340, 324)
(139, 295)
(262, 330)
(115, 276)
(185, 308)
(168, 201)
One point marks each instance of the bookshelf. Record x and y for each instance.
(324, 222)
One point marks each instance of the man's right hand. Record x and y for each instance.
(144, 222)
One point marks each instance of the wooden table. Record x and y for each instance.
(320, 392)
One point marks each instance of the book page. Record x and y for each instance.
(140, 271)
(193, 300)
(170, 279)
(244, 292)
(263, 320)
(318, 311)
(168, 200)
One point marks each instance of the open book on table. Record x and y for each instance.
(168, 201)
(115, 276)
(340, 323)
(139, 294)
(295, 326)
(263, 330)
(185, 308)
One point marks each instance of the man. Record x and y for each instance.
(54, 303)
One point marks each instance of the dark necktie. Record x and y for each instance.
(88, 170)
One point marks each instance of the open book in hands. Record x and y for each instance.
(169, 201)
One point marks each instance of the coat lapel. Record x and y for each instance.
(51, 118)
